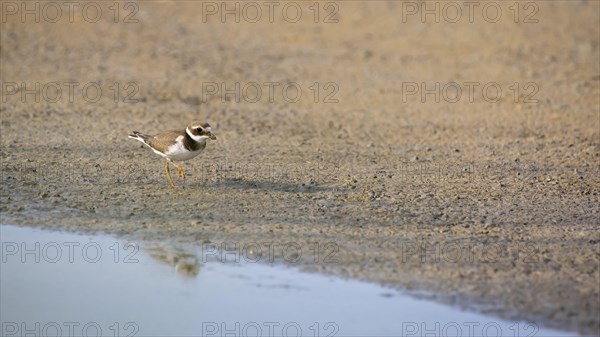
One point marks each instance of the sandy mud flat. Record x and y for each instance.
(458, 158)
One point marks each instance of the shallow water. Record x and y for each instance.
(63, 284)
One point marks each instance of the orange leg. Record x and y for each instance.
(180, 170)
(169, 174)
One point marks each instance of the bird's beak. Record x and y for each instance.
(212, 136)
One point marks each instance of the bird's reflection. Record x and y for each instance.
(185, 260)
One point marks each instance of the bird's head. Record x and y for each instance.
(199, 131)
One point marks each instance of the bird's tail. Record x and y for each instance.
(139, 136)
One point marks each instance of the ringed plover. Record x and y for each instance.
(177, 145)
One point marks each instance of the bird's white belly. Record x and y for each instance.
(178, 152)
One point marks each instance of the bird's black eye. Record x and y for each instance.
(199, 129)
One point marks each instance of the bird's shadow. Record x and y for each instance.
(266, 185)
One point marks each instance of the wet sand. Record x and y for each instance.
(489, 203)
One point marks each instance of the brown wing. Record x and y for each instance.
(163, 140)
